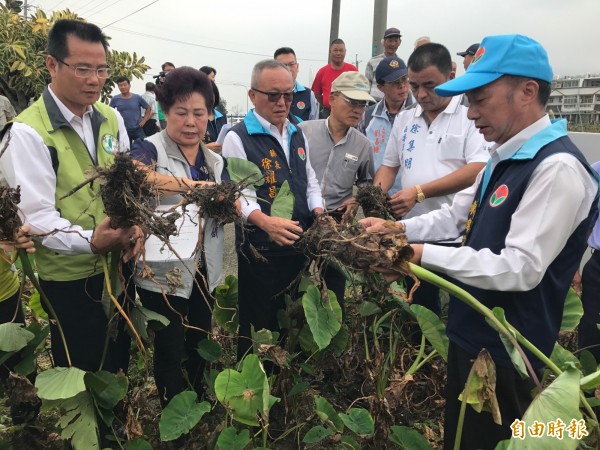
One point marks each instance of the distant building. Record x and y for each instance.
(576, 98)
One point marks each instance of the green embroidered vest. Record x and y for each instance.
(71, 161)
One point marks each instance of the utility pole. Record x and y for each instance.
(335, 23)
(25, 9)
(379, 25)
(356, 61)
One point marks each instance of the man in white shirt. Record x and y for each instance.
(151, 126)
(523, 221)
(268, 139)
(53, 143)
(434, 149)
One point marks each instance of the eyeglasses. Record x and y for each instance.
(85, 72)
(354, 103)
(402, 82)
(275, 96)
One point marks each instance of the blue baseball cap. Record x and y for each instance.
(469, 51)
(390, 69)
(506, 54)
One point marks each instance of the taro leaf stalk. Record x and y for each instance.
(28, 271)
(118, 305)
(479, 392)
(512, 337)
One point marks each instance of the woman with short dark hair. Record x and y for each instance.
(177, 160)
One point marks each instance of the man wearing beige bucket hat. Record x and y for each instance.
(340, 155)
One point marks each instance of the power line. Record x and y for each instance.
(86, 9)
(96, 9)
(193, 44)
(129, 15)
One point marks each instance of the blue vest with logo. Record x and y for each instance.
(265, 151)
(537, 313)
(301, 103)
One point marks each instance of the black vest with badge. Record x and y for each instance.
(301, 104)
(265, 151)
(537, 313)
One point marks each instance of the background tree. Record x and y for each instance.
(222, 106)
(23, 73)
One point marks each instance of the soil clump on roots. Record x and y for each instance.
(356, 249)
(125, 193)
(373, 202)
(217, 202)
(10, 222)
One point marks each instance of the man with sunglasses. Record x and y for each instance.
(277, 146)
(434, 147)
(52, 145)
(341, 155)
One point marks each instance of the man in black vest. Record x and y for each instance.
(267, 138)
(304, 105)
(523, 223)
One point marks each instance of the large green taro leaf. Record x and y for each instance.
(245, 394)
(559, 401)
(324, 317)
(181, 415)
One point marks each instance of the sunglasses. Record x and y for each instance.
(354, 103)
(275, 96)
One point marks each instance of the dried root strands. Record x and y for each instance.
(373, 201)
(125, 192)
(216, 201)
(356, 249)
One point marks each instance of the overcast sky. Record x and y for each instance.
(232, 35)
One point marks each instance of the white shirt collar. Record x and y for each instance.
(450, 108)
(66, 112)
(510, 147)
(269, 126)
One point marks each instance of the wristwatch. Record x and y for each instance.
(420, 194)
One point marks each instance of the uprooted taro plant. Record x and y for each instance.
(348, 377)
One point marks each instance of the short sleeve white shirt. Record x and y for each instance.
(424, 153)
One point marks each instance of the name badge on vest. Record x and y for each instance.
(110, 144)
(351, 157)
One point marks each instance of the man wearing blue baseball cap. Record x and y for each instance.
(392, 80)
(468, 55)
(523, 224)
(392, 38)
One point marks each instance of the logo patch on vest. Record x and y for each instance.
(300, 105)
(110, 144)
(499, 196)
(301, 153)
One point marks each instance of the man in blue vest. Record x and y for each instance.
(277, 146)
(523, 223)
(52, 144)
(304, 105)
